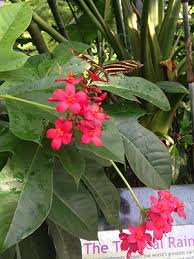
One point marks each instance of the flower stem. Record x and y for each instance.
(127, 185)
(10, 97)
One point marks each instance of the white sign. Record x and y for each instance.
(179, 244)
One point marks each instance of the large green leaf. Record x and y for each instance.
(73, 207)
(72, 160)
(66, 245)
(123, 109)
(103, 191)
(147, 155)
(44, 65)
(28, 121)
(36, 246)
(9, 253)
(136, 86)
(14, 19)
(25, 190)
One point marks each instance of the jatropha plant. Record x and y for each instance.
(80, 111)
(157, 219)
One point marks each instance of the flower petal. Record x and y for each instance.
(75, 107)
(81, 96)
(141, 244)
(70, 89)
(59, 94)
(97, 141)
(51, 133)
(56, 143)
(67, 138)
(132, 229)
(67, 126)
(62, 107)
(59, 123)
(85, 139)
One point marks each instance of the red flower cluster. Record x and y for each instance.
(82, 110)
(158, 219)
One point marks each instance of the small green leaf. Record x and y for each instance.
(172, 87)
(147, 155)
(25, 190)
(106, 195)
(66, 245)
(73, 207)
(126, 87)
(14, 19)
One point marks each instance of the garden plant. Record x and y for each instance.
(72, 133)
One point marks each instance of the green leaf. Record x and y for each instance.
(123, 109)
(136, 86)
(112, 148)
(147, 155)
(66, 245)
(25, 190)
(73, 207)
(28, 121)
(47, 64)
(36, 246)
(103, 191)
(14, 19)
(9, 253)
(172, 87)
(72, 160)
(166, 35)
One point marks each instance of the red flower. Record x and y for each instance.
(162, 206)
(159, 225)
(91, 133)
(70, 79)
(139, 237)
(179, 209)
(61, 134)
(68, 99)
(94, 77)
(101, 97)
(95, 113)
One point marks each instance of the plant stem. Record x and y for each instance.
(37, 38)
(10, 97)
(58, 19)
(45, 26)
(127, 185)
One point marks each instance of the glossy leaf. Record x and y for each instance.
(9, 253)
(66, 245)
(123, 109)
(14, 19)
(147, 155)
(36, 246)
(25, 190)
(61, 60)
(28, 121)
(72, 160)
(172, 87)
(136, 86)
(103, 191)
(73, 207)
